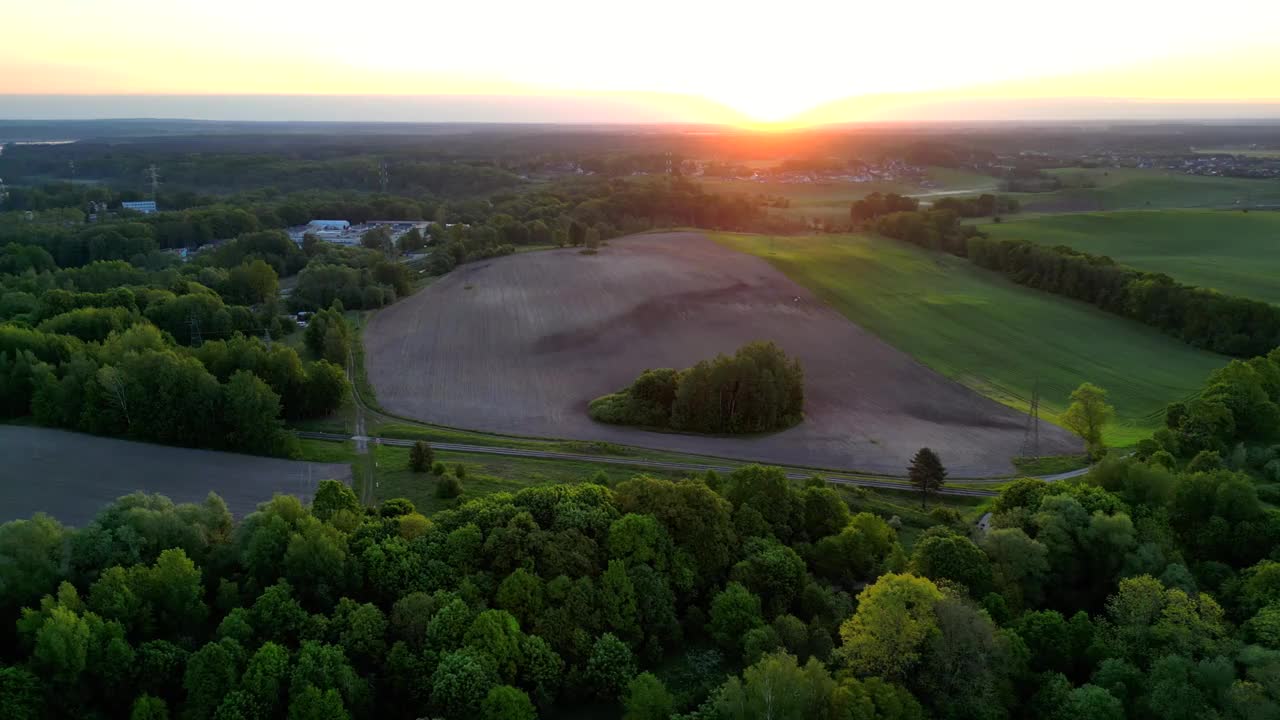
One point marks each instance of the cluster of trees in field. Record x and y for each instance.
(757, 389)
(1205, 318)
(930, 229)
(1145, 590)
(877, 205)
(984, 205)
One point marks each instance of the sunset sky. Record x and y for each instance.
(802, 61)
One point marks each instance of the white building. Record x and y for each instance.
(328, 225)
(146, 207)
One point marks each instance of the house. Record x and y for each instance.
(328, 225)
(146, 207)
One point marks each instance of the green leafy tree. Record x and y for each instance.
(496, 634)
(333, 496)
(462, 682)
(927, 474)
(885, 636)
(149, 707)
(647, 698)
(952, 557)
(1087, 415)
(507, 703)
(618, 600)
(610, 667)
(778, 687)
(421, 456)
(212, 673)
(266, 678)
(1090, 701)
(734, 611)
(312, 703)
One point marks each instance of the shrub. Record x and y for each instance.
(448, 487)
(420, 457)
(460, 470)
(438, 469)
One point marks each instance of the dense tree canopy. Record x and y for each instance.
(758, 389)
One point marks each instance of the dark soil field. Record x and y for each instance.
(521, 344)
(72, 476)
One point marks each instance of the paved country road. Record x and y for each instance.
(73, 476)
(868, 481)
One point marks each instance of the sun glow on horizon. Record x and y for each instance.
(707, 61)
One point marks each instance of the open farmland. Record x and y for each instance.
(830, 201)
(984, 331)
(1101, 189)
(520, 345)
(73, 476)
(1230, 251)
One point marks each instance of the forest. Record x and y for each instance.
(757, 389)
(180, 355)
(1148, 588)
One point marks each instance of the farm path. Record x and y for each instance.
(521, 344)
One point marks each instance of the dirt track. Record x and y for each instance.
(521, 344)
(72, 476)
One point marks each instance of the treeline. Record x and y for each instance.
(758, 389)
(233, 394)
(114, 349)
(876, 205)
(231, 168)
(984, 205)
(1140, 592)
(1233, 422)
(1204, 318)
(938, 230)
(1241, 327)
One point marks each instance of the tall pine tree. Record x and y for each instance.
(927, 474)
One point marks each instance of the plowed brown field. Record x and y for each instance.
(521, 344)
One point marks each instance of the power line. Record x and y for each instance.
(195, 331)
(153, 172)
(384, 177)
(1031, 439)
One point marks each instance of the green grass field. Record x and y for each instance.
(1242, 152)
(1233, 252)
(988, 333)
(830, 201)
(1102, 189)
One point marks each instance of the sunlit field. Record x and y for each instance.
(1233, 252)
(1098, 189)
(987, 333)
(829, 201)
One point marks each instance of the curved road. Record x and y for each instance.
(839, 479)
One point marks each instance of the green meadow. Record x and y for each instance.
(1102, 189)
(1231, 251)
(987, 333)
(830, 200)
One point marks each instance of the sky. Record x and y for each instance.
(741, 61)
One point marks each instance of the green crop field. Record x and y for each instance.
(1233, 252)
(1242, 152)
(830, 200)
(1100, 189)
(987, 333)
